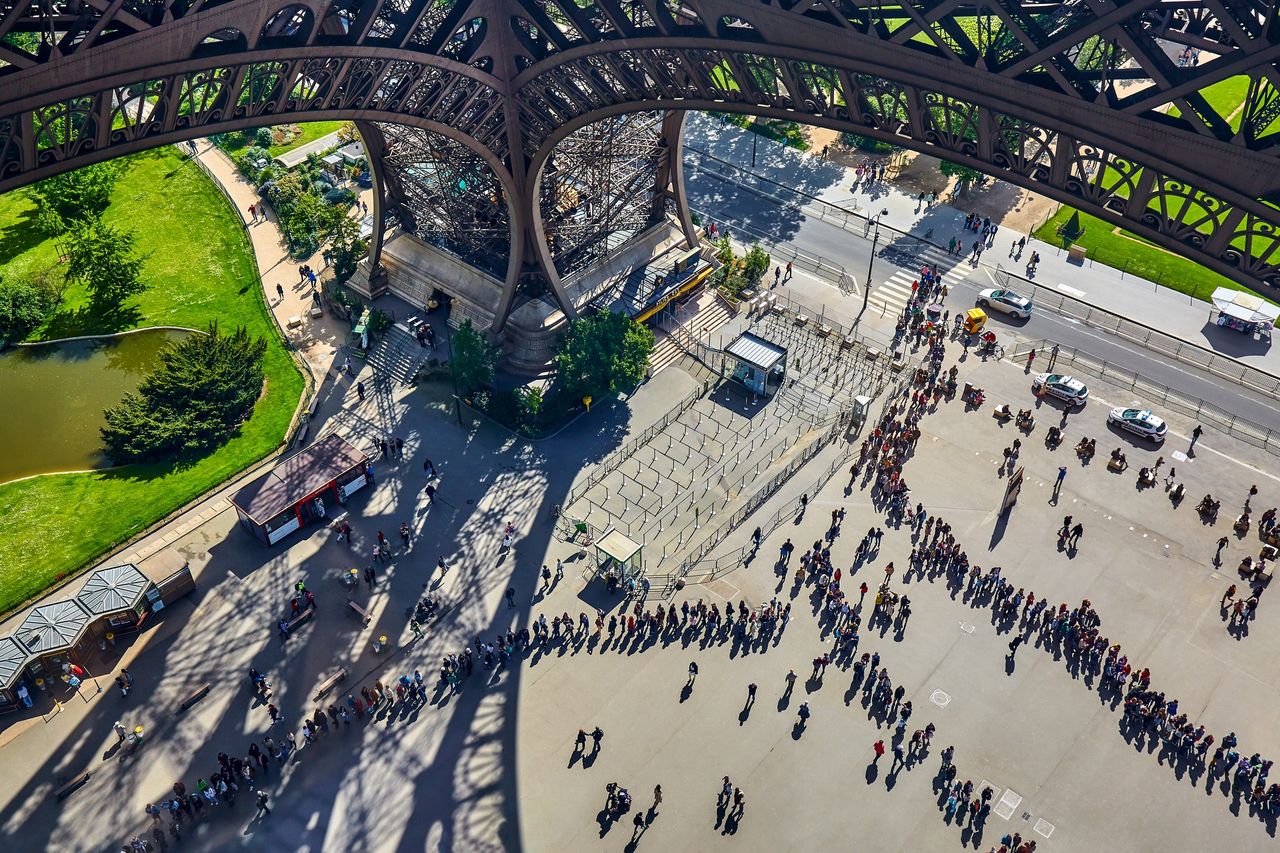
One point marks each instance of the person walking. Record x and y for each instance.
(878, 746)
(1062, 475)
(511, 596)
(657, 801)
(1076, 533)
(360, 391)
(280, 291)
(693, 672)
(263, 808)
(1195, 436)
(1013, 645)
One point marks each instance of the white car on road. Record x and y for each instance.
(1139, 422)
(1006, 301)
(1063, 387)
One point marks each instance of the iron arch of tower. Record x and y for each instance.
(529, 137)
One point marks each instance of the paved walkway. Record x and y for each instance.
(316, 339)
(1126, 295)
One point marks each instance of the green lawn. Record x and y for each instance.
(1137, 256)
(311, 131)
(201, 269)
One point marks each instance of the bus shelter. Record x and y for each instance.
(618, 557)
(760, 365)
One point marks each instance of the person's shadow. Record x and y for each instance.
(873, 772)
(797, 731)
(1008, 664)
(746, 711)
(686, 692)
(722, 811)
(785, 699)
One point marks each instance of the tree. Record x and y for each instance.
(530, 400)
(103, 258)
(473, 359)
(755, 264)
(963, 174)
(603, 354)
(23, 306)
(80, 194)
(345, 246)
(203, 388)
(262, 137)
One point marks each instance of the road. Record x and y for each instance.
(748, 211)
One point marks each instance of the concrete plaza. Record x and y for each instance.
(490, 768)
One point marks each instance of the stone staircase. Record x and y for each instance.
(709, 314)
(398, 357)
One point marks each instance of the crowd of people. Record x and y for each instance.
(1071, 634)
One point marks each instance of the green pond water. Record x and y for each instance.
(52, 398)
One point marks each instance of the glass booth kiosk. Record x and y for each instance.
(618, 559)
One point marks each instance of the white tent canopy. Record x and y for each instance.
(1245, 306)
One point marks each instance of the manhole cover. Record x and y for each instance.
(940, 698)
(1009, 802)
(967, 627)
(1043, 827)
(470, 501)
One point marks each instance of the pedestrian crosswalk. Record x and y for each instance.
(893, 292)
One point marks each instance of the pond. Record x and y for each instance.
(54, 396)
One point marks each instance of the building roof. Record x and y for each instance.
(12, 658)
(756, 351)
(618, 546)
(113, 589)
(304, 473)
(51, 627)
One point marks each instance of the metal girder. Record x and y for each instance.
(1113, 106)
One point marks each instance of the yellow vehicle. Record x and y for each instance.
(974, 320)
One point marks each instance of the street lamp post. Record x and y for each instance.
(866, 290)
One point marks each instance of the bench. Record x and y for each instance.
(300, 618)
(359, 611)
(193, 698)
(330, 683)
(72, 786)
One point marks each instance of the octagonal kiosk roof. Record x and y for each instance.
(53, 627)
(13, 657)
(113, 589)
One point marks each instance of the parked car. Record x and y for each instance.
(1063, 387)
(1007, 301)
(1139, 422)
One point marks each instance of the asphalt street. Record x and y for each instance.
(749, 211)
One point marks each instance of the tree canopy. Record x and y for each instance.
(203, 387)
(603, 354)
(79, 194)
(23, 306)
(104, 259)
(473, 358)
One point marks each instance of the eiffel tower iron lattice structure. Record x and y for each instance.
(527, 138)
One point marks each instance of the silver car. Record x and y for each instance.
(1139, 422)
(1063, 387)
(1006, 301)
